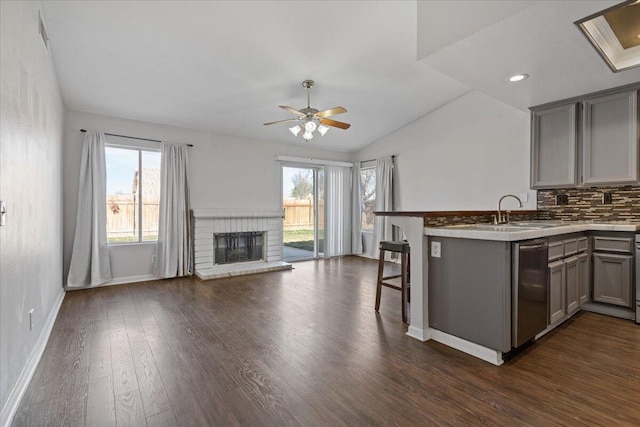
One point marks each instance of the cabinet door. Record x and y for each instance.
(553, 147)
(557, 292)
(584, 278)
(612, 276)
(610, 139)
(572, 281)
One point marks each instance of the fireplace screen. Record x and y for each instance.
(238, 247)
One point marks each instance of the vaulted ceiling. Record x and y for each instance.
(226, 66)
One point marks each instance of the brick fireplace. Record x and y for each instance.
(209, 225)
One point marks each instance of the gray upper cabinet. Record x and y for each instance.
(554, 147)
(598, 147)
(610, 139)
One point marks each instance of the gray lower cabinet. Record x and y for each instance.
(557, 292)
(612, 278)
(572, 277)
(569, 276)
(554, 147)
(610, 139)
(584, 278)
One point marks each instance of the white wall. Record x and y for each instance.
(226, 173)
(463, 156)
(31, 119)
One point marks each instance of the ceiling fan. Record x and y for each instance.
(312, 119)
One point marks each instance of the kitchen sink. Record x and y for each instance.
(538, 224)
(499, 227)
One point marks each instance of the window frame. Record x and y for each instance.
(139, 203)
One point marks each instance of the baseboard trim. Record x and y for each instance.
(609, 310)
(131, 279)
(20, 387)
(120, 281)
(488, 355)
(419, 334)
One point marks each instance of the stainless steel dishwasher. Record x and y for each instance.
(530, 289)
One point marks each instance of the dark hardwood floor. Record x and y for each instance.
(305, 347)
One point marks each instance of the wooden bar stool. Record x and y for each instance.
(401, 247)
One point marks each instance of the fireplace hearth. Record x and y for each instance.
(228, 243)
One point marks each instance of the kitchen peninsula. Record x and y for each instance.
(462, 274)
(412, 224)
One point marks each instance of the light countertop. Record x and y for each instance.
(529, 230)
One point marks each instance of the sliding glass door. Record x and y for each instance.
(303, 204)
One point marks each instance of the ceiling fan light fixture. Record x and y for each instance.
(295, 130)
(322, 129)
(309, 119)
(310, 126)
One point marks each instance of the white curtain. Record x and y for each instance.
(382, 229)
(356, 211)
(174, 231)
(90, 264)
(337, 222)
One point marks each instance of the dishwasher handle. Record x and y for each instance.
(533, 247)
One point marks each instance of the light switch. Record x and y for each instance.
(3, 213)
(435, 249)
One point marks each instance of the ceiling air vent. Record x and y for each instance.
(42, 30)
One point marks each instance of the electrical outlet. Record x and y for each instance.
(607, 198)
(524, 197)
(435, 249)
(31, 319)
(562, 199)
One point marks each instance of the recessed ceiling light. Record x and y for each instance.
(517, 78)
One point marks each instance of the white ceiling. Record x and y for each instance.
(540, 40)
(226, 66)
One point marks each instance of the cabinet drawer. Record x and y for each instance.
(583, 244)
(556, 250)
(613, 244)
(570, 247)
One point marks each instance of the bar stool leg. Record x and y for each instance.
(403, 265)
(380, 272)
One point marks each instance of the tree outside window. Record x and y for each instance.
(367, 197)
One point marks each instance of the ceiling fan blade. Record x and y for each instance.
(331, 112)
(282, 121)
(335, 123)
(291, 110)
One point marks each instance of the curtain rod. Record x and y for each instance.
(373, 160)
(132, 137)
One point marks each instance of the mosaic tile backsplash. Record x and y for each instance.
(586, 204)
(443, 221)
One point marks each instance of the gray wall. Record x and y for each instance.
(31, 120)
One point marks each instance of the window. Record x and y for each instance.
(132, 196)
(368, 197)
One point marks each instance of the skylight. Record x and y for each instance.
(614, 33)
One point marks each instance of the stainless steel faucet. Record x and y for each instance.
(500, 219)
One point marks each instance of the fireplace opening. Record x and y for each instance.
(238, 247)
